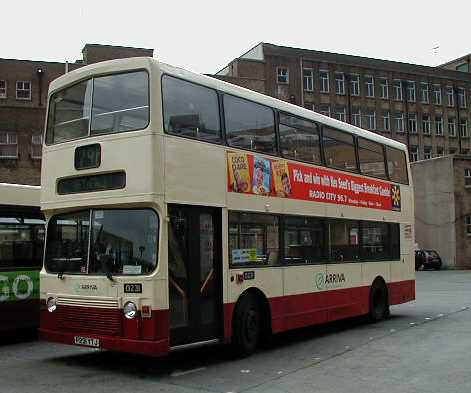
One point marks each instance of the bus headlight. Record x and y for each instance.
(51, 304)
(130, 310)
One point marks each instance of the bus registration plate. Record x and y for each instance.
(87, 341)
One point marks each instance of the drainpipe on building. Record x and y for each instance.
(457, 103)
(302, 81)
(349, 98)
(406, 108)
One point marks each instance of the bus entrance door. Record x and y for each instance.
(195, 285)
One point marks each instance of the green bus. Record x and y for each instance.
(22, 233)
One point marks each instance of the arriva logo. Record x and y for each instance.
(320, 280)
(20, 288)
(329, 281)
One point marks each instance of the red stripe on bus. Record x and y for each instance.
(150, 336)
(296, 311)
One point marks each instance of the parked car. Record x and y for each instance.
(428, 259)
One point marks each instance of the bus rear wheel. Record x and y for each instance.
(246, 327)
(379, 302)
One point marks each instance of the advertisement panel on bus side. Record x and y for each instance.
(252, 174)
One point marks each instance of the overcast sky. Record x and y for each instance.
(204, 36)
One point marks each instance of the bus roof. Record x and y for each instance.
(19, 194)
(148, 62)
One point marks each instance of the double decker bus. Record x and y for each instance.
(21, 253)
(183, 211)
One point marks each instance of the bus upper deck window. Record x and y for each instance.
(120, 103)
(69, 113)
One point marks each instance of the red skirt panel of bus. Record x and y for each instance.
(147, 336)
(296, 311)
(120, 344)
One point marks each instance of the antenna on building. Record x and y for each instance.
(435, 49)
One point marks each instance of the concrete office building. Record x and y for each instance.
(23, 96)
(442, 188)
(424, 107)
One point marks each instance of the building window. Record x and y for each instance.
(452, 150)
(414, 153)
(355, 83)
(465, 151)
(397, 89)
(309, 105)
(461, 97)
(463, 128)
(426, 124)
(3, 89)
(340, 113)
(427, 153)
(386, 121)
(451, 128)
(412, 123)
(383, 84)
(308, 79)
(463, 67)
(370, 118)
(440, 152)
(399, 122)
(467, 225)
(467, 177)
(36, 146)
(356, 117)
(411, 91)
(437, 95)
(324, 109)
(23, 90)
(8, 145)
(339, 83)
(438, 125)
(324, 78)
(424, 98)
(450, 96)
(370, 86)
(282, 75)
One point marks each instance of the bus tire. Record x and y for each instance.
(379, 302)
(247, 326)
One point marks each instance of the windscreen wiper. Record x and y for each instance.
(61, 270)
(105, 267)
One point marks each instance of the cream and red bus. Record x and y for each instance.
(21, 254)
(183, 210)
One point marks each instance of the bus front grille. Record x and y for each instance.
(87, 315)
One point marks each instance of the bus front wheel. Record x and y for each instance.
(247, 326)
(379, 302)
